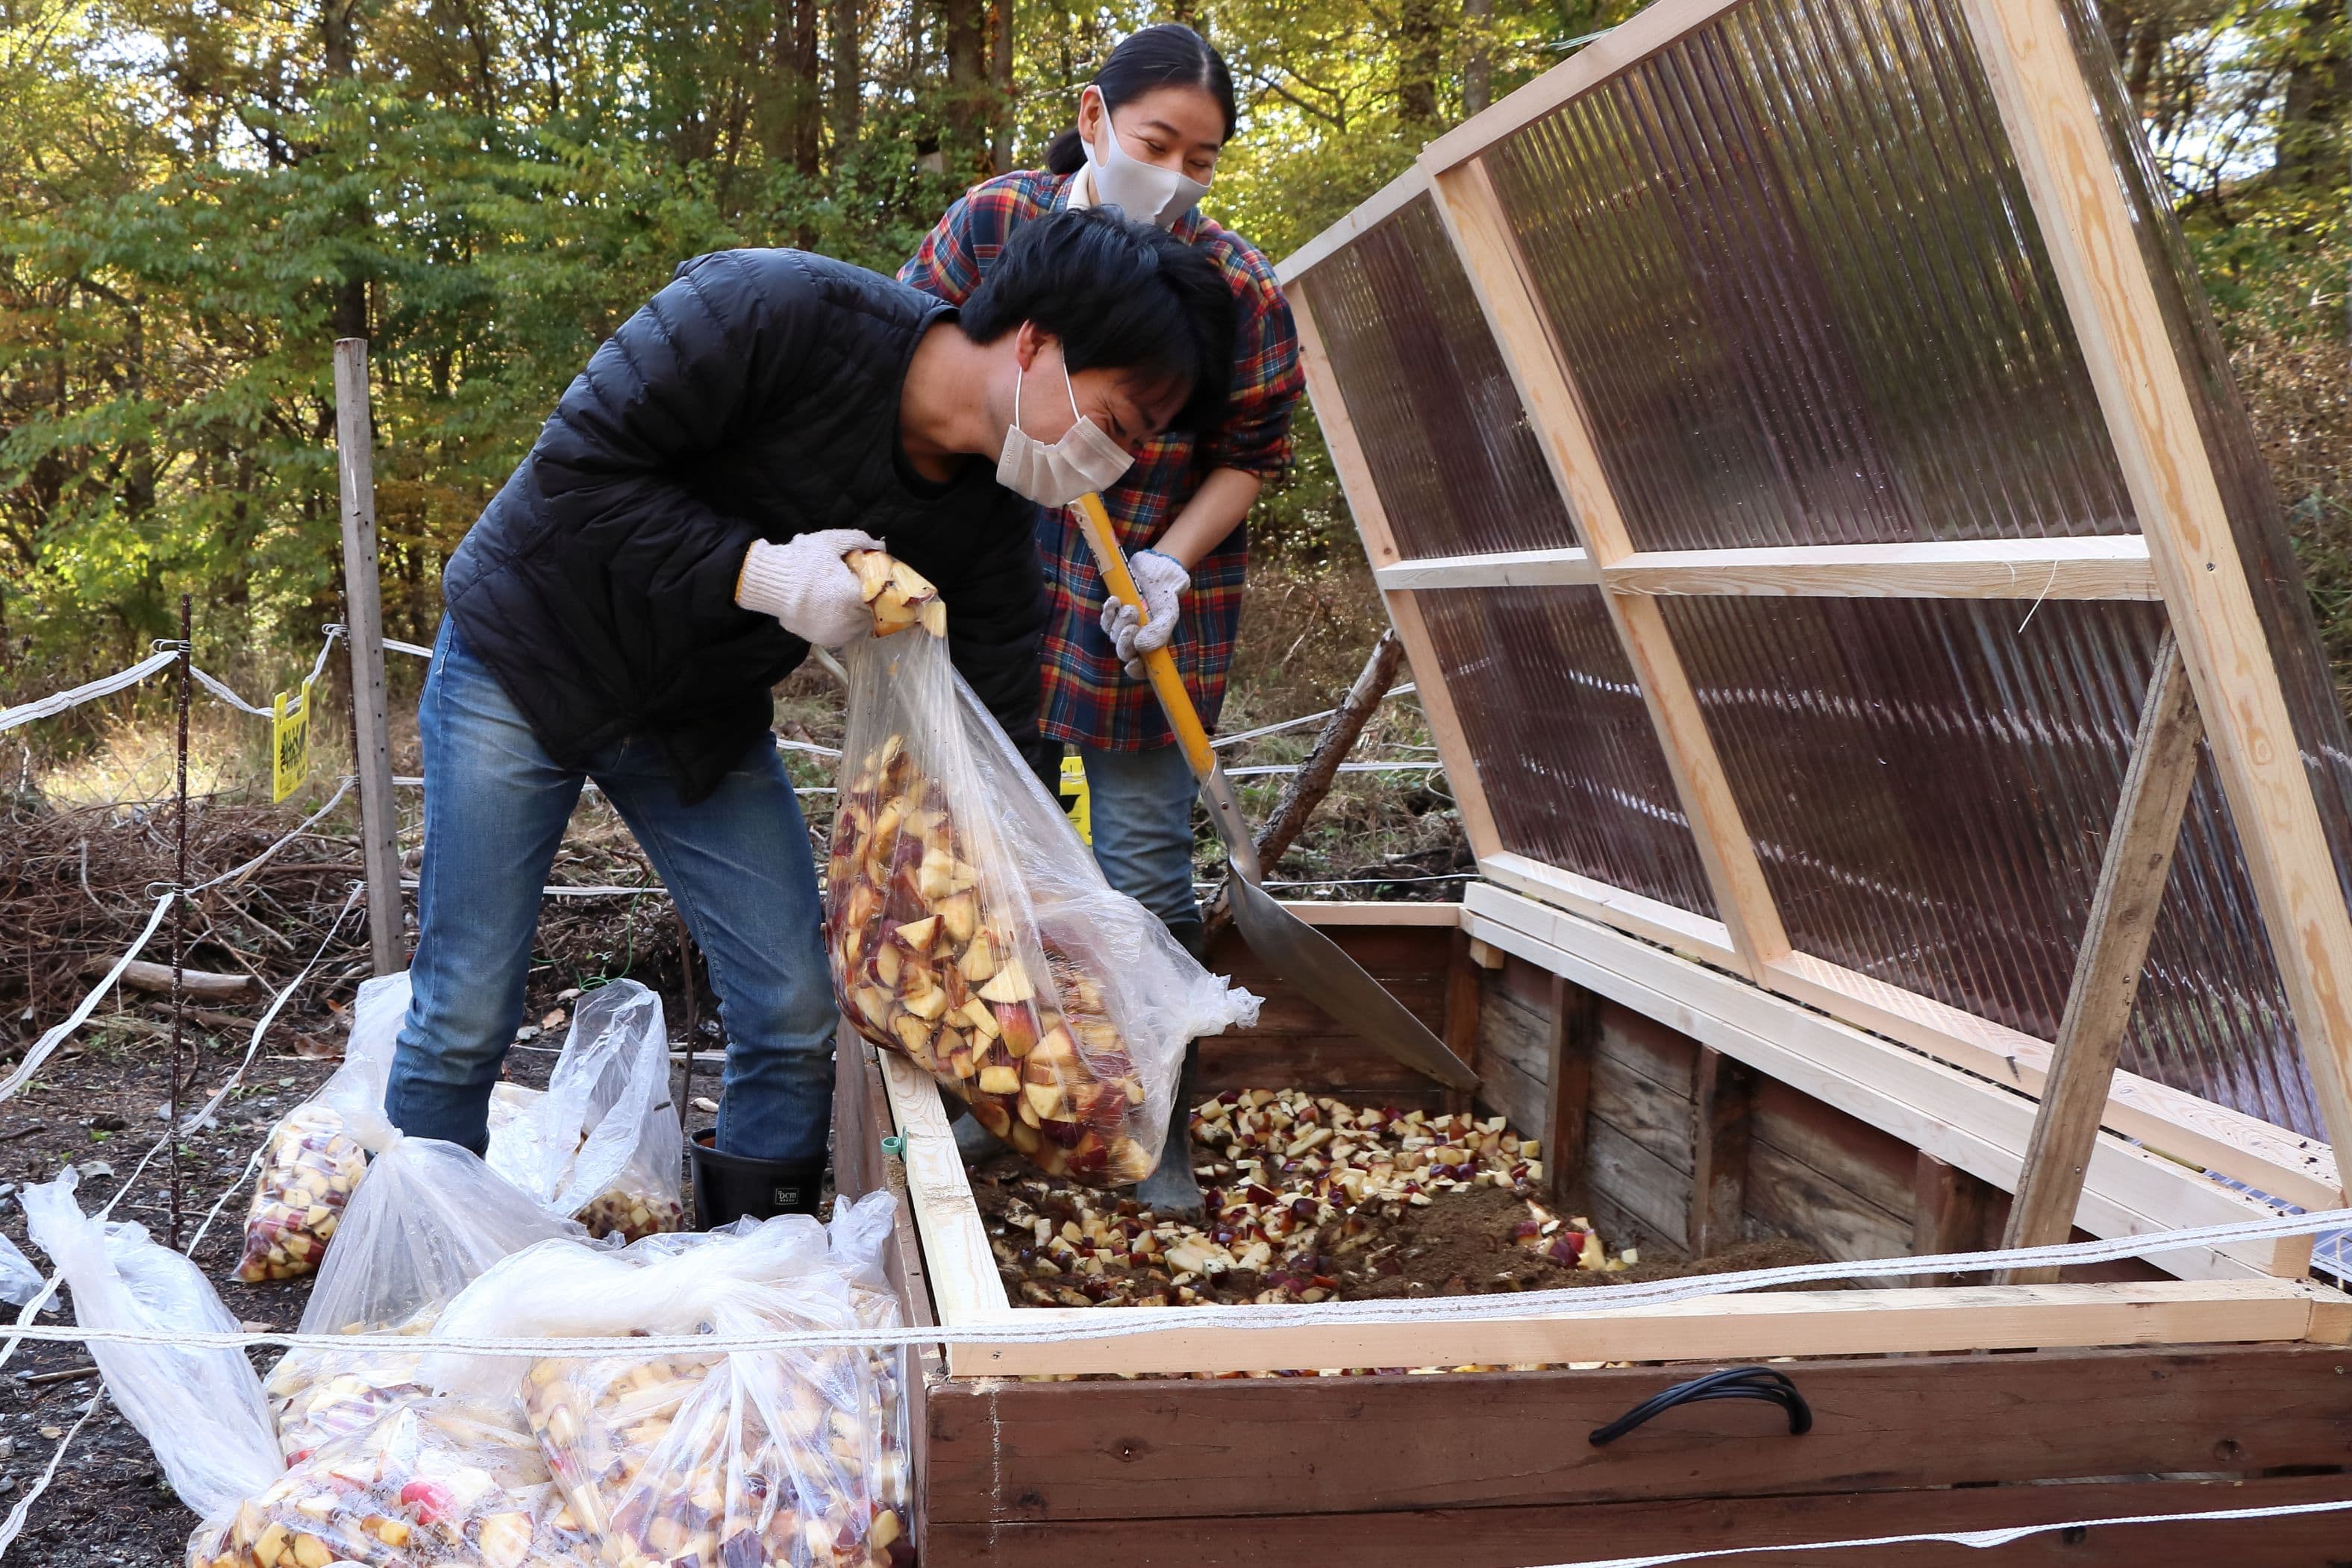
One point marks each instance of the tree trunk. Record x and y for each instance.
(789, 115)
(848, 80)
(2311, 150)
(808, 97)
(1478, 62)
(1420, 56)
(967, 82)
(1000, 82)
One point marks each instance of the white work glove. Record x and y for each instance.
(1161, 580)
(806, 585)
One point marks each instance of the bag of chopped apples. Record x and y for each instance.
(200, 1410)
(455, 1483)
(318, 1152)
(766, 1456)
(603, 1144)
(970, 929)
(430, 1221)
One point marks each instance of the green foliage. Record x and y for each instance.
(196, 200)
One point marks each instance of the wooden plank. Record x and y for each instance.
(1371, 912)
(2109, 566)
(1462, 991)
(1474, 217)
(1511, 1537)
(1951, 1212)
(1372, 211)
(1956, 1117)
(2093, 245)
(2132, 877)
(1566, 1092)
(1653, 1116)
(1232, 1450)
(1792, 1198)
(1503, 568)
(1645, 917)
(1721, 1118)
(2298, 1169)
(363, 610)
(965, 1287)
(1876, 1167)
(1734, 1327)
(1653, 1193)
(1380, 546)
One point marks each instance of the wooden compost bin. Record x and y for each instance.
(1912, 814)
(2143, 1392)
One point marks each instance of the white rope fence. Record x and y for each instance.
(1125, 1322)
(163, 658)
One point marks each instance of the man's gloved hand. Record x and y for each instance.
(1161, 580)
(805, 584)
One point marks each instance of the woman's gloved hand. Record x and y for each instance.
(805, 584)
(1161, 580)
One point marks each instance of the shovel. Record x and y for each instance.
(1293, 949)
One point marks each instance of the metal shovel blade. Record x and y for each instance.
(1320, 972)
(1289, 946)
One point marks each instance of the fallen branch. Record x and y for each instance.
(142, 976)
(1313, 781)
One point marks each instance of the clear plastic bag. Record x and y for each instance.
(19, 1280)
(603, 1144)
(318, 1152)
(450, 1483)
(855, 1239)
(201, 1410)
(431, 1219)
(775, 1456)
(970, 930)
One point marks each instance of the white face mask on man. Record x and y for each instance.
(1145, 191)
(1084, 460)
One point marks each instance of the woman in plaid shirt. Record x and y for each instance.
(1149, 129)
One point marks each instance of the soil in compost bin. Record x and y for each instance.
(1312, 1200)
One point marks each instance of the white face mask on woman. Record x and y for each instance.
(1145, 191)
(1084, 460)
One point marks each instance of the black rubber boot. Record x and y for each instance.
(1172, 1192)
(727, 1188)
(1192, 936)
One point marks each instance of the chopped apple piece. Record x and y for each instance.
(995, 1080)
(917, 934)
(1007, 985)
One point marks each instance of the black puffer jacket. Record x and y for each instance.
(756, 397)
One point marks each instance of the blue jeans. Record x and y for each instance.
(1141, 803)
(738, 864)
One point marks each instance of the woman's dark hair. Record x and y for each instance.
(1119, 296)
(1166, 54)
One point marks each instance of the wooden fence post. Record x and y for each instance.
(371, 738)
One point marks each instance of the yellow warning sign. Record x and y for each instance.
(1074, 796)
(289, 742)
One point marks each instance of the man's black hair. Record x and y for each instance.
(1119, 296)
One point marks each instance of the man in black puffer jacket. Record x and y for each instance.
(672, 547)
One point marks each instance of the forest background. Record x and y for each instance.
(199, 196)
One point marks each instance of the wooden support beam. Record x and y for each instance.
(1506, 569)
(1740, 1327)
(363, 607)
(1474, 217)
(2091, 235)
(2132, 878)
(2106, 566)
(1462, 985)
(1567, 1088)
(1951, 1211)
(1722, 1105)
(957, 1261)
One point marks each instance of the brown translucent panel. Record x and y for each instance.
(2257, 523)
(1440, 425)
(1930, 785)
(1567, 755)
(1795, 278)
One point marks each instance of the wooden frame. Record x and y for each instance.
(2252, 1292)
(2185, 559)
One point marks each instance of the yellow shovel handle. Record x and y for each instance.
(1159, 663)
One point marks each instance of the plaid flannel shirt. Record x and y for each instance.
(1089, 699)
